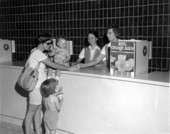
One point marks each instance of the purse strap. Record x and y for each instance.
(27, 62)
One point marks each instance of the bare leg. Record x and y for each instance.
(37, 120)
(47, 131)
(29, 117)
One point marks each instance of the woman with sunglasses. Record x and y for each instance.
(38, 56)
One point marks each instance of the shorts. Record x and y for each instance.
(51, 119)
(35, 97)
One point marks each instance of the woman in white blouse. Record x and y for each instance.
(91, 50)
(113, 34)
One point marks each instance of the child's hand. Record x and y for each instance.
(60, 96)
(58, 90)
(52, 53)
(64, 60)
(57, 50)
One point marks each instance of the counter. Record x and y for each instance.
(160, 78)
(97, 103)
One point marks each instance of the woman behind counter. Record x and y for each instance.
(112, 35)
(91, 50)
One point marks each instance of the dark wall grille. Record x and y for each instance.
(23, 20)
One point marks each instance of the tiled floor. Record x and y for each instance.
(8, 131)
(7, 128)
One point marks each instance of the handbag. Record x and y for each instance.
(28, 77)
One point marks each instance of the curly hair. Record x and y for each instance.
(44, 37)
(115, 29)
(99, 41)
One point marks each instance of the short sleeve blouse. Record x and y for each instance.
(36, 57)
(82, 53)
(103, 51)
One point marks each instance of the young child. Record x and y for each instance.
(60, 55)
(52, 102)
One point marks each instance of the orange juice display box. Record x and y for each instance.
(128, 57)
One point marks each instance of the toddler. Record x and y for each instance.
(60, 55)
(52, 102)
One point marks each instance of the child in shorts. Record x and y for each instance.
(52, 102)
(60, 55)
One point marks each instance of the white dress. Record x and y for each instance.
(36, 57)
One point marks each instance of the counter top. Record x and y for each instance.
(13, 64)
(156, 78)
(100, 71)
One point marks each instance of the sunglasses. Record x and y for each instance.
(49, 43)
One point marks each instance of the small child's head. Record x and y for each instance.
(48, 87)
(61, 42)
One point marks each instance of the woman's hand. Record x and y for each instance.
(80, 65)
(73, 68)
